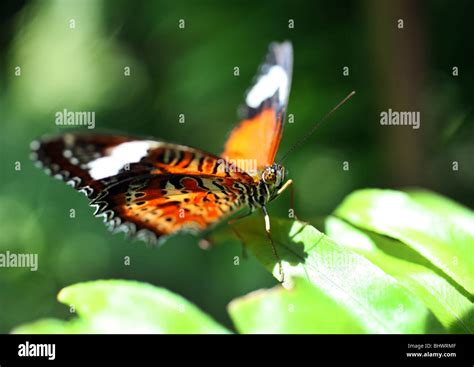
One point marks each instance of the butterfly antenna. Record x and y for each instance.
(313, 129)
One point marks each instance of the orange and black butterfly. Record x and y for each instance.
(152, 189)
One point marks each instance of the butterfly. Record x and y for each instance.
(152, 189)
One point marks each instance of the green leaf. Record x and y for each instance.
(453, 309)
(302, 310)
(53, 326)
(120, 306)
(362, 291)
(437, 228)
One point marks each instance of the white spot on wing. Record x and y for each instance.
(267, 85)
(34, 145)
(110, 165)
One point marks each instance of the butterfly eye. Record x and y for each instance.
(269, 176)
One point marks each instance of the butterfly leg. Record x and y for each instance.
(237, 234)
(274, 249)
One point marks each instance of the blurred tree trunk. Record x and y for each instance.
(399, 59)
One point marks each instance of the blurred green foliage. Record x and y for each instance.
(190, 71)
(125, 307)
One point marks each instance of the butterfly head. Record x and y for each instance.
(274, 176)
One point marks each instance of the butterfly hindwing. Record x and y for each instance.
(161, 205)
(257, 137)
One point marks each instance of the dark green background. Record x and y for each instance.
(190, 71)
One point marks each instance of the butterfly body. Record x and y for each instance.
(153, 189)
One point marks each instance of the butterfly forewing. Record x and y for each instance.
(257, 137)
(145, 186)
